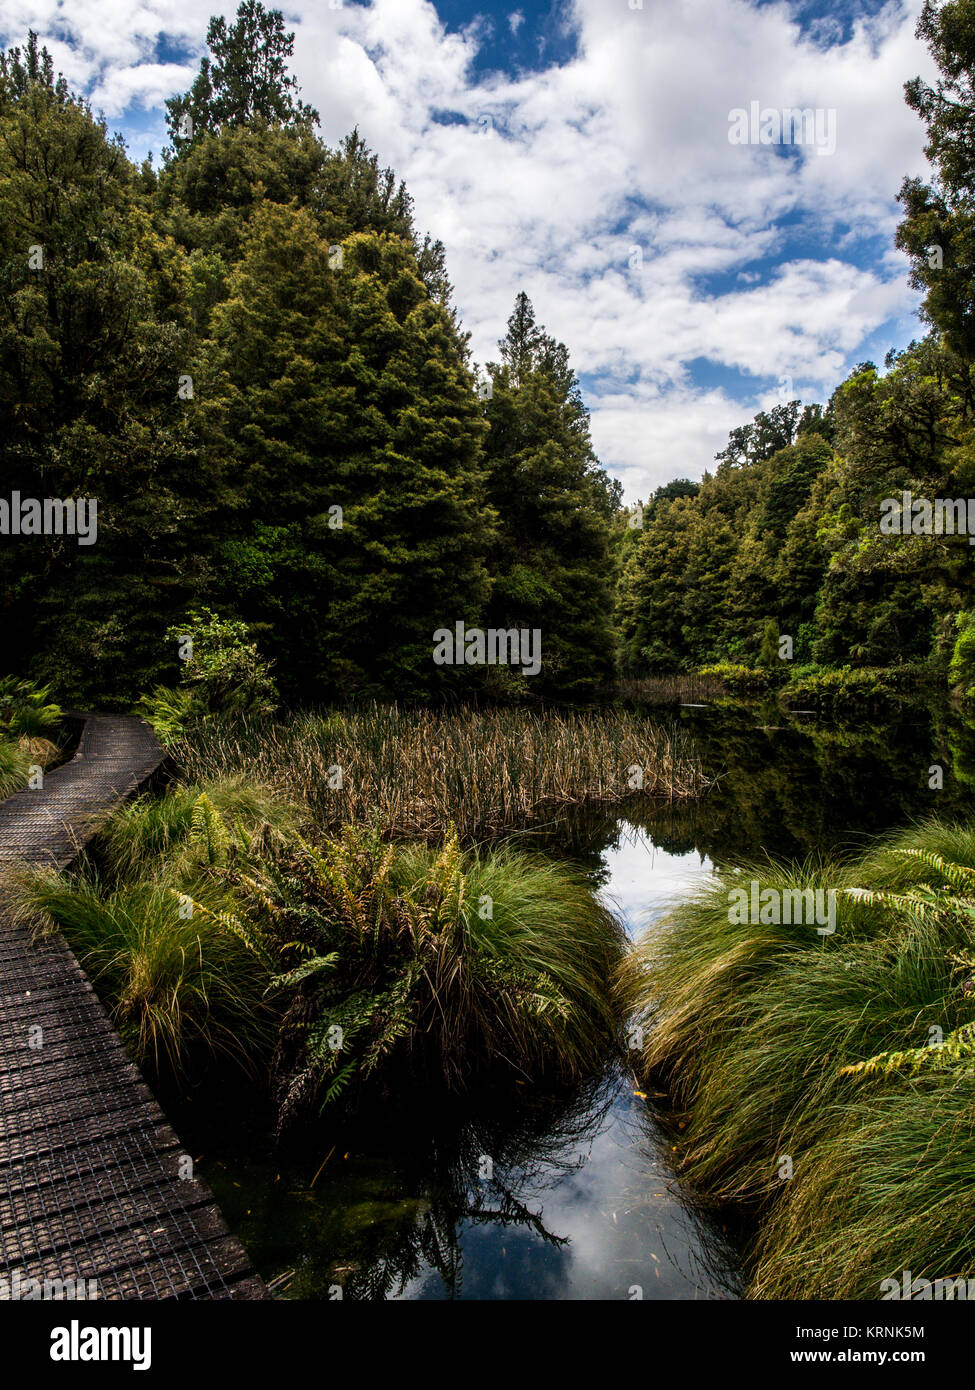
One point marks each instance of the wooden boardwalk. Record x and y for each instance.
(93, 1182)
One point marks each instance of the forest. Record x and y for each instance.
(249, 358)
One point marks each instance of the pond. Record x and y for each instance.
(570, 1196)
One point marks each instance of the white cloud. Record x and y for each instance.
(624, 146)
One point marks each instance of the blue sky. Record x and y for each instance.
(581, 151)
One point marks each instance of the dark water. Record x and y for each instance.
(572, 1196)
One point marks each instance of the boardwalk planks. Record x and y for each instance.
(90, 1172)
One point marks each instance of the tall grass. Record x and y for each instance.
(154, 920)
(760, 1030)
(179, 978)
(18, 756)
(14, 765)
(421, 772)
(176, 829)
(689, 687)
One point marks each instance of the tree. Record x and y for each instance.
(551, 563)
(95, 335)
(938, 229)
(769, 431)
(244, 78)
(340, 394)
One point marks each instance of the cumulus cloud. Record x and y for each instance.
(605, 186)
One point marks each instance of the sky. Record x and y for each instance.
(587, 152)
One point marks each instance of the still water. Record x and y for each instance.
(572, 1196)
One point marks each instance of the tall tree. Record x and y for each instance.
(938, 229)
(340, 392)
(551, 563)
(95, 336)
(244, 78)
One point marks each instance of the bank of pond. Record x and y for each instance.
(530, 1025)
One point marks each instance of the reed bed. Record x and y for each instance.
(421, 772)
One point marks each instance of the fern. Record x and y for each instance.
(208, 831)
(956, 1051)
(303, 972)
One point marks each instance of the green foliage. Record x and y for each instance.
(555, 508)
(767, 1035)
(793, 537)
(170, 712)
(432, 964)
(192, 825)
(738, 680)
(14, 767)
(831, 690)
(180, 982)
(961, 670)
(245, 77)
(251, 360)
(222, 668)
(25, 711)
(155, 918)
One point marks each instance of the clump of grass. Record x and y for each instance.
(215, 925)
(15, 764)
(160, 932)
(188, 825)
(434, 964)
(179, 976)
(781, 1044)
(890, 1187)
(25, 711)
(421, 772)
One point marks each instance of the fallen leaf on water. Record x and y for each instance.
(642, 1094)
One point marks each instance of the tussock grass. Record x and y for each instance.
(158, 930)
(14, 764)
(753, 1026)
(171, 828)
(176, 985)
(421, 772)
(18, 756)
(891, 1187)
(213, 927)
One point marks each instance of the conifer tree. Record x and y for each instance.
(551, 563)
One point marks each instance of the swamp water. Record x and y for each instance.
(574, 1196)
